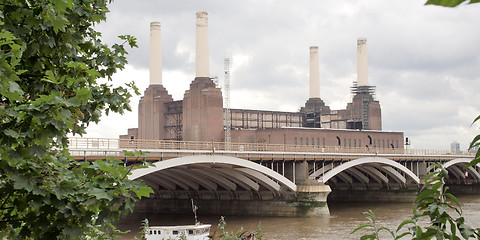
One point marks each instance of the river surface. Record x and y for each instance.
(343, 219)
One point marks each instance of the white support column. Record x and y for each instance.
(314, 73)
(155, 54)
(202, 65)
(362, 62)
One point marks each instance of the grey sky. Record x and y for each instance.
(423, 60)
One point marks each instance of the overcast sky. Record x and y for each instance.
(423, 60)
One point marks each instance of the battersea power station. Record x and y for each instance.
(201, 115)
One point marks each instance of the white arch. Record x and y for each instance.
(394, 174)
(368, 160)
(359, 175)
(457, 161)
(374, 172)
(215, 159)
(269, 183)
(455, 170)
(241, 179)
(321, 170)
(209, 185)
(208, 173)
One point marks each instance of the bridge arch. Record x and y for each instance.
(213, 173)
(455, 167)
(370, 166)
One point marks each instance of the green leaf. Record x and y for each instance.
(360, 227)
(100, 193)
(405, 222)
(428, 193)
(21, 182)
(11, 133)
(478, 117)
(453, 198)
(445, 3)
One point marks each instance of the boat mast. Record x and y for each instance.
(194, 208)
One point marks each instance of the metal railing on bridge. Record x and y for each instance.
(105, 144)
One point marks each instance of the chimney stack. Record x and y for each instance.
(155, 54)
(362, 62)
(314, 73)
(202, 57)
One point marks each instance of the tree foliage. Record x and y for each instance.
(450, 3)
(475, 145)
(51, 59)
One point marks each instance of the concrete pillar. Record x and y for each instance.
(155, 54)
(314, 73)
(421, 171)
(288, 170)
(301, 171)
(312, 199)
(202, 58)
(362, 62)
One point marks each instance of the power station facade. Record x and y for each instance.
(201, 116)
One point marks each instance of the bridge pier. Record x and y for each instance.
(311, 200)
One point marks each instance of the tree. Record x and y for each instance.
(51, 59)
(449, 3)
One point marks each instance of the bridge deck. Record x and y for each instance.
(100, 148)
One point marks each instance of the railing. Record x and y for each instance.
(103, 144)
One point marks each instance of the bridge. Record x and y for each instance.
(272, 179)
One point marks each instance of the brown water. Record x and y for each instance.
(344, 218)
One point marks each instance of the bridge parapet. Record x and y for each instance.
(107, 144)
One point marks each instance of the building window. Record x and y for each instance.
(383, 143)
(295, 140)
(359, 142)
(318, 142)
(301, 141)
(388, 143)
(349, 143)
(306, 141)
(323, 142)
(344, 142)
(313, 141)
(396, 143)
(339, 141)
(354, 143)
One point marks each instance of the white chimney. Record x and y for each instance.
(155, 54)
(362, 62)
(202, 65)
(314, 73)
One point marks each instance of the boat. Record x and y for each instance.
(197, 231)
(189, 232)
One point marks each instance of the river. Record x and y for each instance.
(343, 219)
